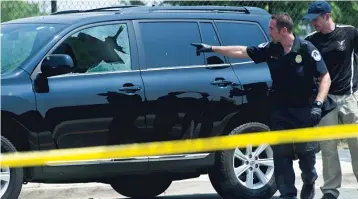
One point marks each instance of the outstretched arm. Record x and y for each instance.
(258, 54)
(229, 51)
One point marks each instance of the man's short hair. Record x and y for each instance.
(283, 21)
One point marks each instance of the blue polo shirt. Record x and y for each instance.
(294, 74)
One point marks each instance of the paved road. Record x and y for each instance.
(198, 188)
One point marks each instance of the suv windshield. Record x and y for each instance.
(20, 41)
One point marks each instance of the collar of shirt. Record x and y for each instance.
(296, 46)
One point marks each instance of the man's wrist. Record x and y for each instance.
(318, 103)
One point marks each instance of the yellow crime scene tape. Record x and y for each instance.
(38, 158)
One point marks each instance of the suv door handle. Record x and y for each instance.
(130, 89)
(221, 82)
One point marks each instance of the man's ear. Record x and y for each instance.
(284, 30)
(327, 16)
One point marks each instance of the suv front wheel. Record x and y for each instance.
(141, 187)
(11, 179)
(245, 172)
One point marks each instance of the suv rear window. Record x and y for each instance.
(167, 44)
(242, 34)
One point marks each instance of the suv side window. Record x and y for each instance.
(243, 34)
(168, 44)
(210, 37)
(98, 49)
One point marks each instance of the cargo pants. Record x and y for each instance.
(346, 112)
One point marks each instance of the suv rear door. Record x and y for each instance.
(255, 78)
(101, 102)
(188, 95)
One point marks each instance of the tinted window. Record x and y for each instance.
(242, 34)
(98, 49)
(168, 44)
(210, 37)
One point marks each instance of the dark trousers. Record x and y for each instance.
(284, 118)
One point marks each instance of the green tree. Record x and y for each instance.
(261, 4)
(129, 2)
(344, 12)
(296, 9)
(11, 10)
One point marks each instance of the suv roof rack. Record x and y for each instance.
(217, 9)
(110, 8)
(120, 9)
(202, 8)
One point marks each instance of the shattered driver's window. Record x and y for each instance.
(98, 49)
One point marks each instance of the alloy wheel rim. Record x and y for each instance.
(253, 167)
(4, 180)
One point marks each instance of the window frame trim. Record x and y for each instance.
(132, 45)
(216, 31)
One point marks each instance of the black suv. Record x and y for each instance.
(129, 74)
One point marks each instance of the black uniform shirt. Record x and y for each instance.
(293, 74)
(338, 50)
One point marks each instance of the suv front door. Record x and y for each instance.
(101, 102)
(188, 95)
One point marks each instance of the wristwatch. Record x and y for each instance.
(318, 103)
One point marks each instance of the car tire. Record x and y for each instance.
(141, 187)
(229, 186)
(10, 189)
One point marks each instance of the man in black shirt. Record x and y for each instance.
(297, 101)
(338, 45)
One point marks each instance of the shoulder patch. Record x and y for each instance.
(316, 55)
(263, 45)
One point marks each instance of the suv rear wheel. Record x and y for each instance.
(245, 173)
(141, 187)
(11, 178)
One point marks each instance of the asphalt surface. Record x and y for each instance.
(197, 188)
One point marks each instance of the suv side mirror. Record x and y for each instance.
(57, 64)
